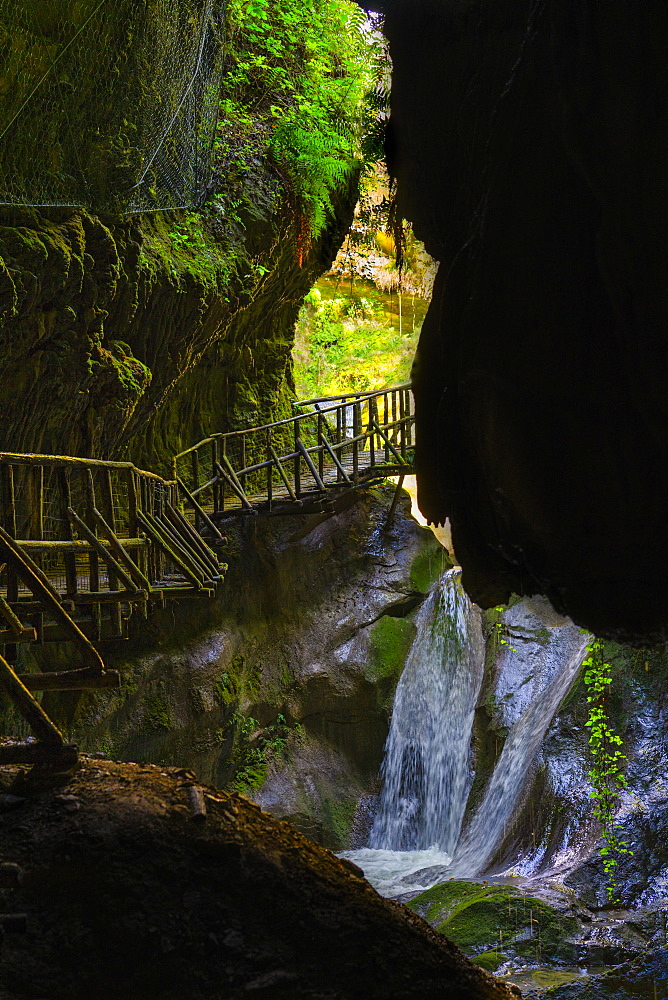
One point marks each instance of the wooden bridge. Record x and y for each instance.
(85, 544)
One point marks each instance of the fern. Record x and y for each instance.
(313, 68)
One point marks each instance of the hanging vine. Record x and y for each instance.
(606, 775)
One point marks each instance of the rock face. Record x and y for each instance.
(125, 895)
(140, 336)
(528, 146)
(284, 684)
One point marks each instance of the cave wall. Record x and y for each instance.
(529, 144)
(139, 335)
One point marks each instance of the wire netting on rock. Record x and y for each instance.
(108, 104)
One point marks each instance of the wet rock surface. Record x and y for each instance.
(285, 683)
(129, 897)
(644, 978)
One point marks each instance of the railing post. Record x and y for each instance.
(402, 418)
(297, 460)
(385, 423)
(194, 462)
(372, 436)
(321, 447)
(222, 484)
(357, 436)
(214, 465)
(69, 558)
(270, 470)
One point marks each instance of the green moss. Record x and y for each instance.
(490, 960)
(427, 568)
(479, 917)
(338, 815)
(390, 641)
(159, 714)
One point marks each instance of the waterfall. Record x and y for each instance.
(417, 839)
(426, 768)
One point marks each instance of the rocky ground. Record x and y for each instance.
(128, 892)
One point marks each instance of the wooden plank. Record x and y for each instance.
(27, 634)
(75, 545)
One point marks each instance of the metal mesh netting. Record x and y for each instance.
(108, 104)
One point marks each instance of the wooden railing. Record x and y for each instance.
(84, 542)
(100, 537)
(336, 442)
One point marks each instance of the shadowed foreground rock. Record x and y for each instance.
(127, 895)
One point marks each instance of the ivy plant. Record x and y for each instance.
(607, 774)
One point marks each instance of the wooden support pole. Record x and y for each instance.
(197, 541)
(42, 591)
(233, 486)
(389, 447)
(125, 560)
(395, 500)
(281, 470)
(95, 543)
(199, 509)
(14, 624)
(156, 535)
(183, 548)
(30, 709)
(341, 471)
(311, 467)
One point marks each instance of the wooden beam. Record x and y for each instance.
(57, 756)
(179, 521)
(6, 612)
(71, 680)
(235, 489)
(312, 469)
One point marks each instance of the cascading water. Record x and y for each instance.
(426, 767)
(426, 770)
(416, 837)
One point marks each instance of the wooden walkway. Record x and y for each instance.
(292, 466)
(86, 544)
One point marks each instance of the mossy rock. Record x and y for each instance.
(478, 918)
(390, 641)
(490, 960)
(428, 567)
